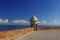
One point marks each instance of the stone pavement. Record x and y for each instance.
(42, 35)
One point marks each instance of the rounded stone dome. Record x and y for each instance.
(34, 18)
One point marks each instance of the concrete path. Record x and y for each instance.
(43, 35)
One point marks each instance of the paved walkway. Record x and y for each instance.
(43, 35)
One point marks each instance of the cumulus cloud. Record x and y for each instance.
(39, 22)
(3, 21)
(20, 21)
(43, 22)
(55, 21)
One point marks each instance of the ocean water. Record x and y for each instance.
(12, 27)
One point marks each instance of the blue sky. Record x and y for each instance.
(47, 11)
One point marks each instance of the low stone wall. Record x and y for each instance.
(12, 34)
(49, 28)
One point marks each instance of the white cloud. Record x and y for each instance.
(20, 21)
(55, 21)
(43, 22)
(3, 21)
(39, 22)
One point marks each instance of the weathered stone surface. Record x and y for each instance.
(43, 35)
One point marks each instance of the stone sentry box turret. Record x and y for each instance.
(34, 22)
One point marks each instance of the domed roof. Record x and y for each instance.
(34, 18)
